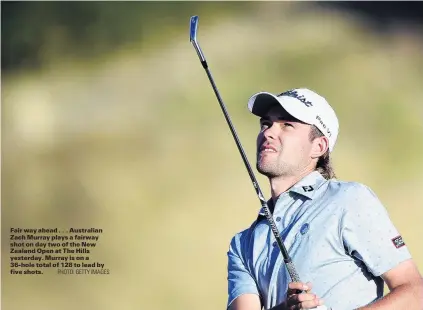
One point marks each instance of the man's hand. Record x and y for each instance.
(306, 300)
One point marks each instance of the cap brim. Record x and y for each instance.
(260, 103)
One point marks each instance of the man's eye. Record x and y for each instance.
(288, 125)
(266, 124)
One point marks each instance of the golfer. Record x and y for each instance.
(338, 234)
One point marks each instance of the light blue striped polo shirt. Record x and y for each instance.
(339, 236)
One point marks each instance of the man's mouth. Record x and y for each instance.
(268, 149)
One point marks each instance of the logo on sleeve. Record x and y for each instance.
(398, 242)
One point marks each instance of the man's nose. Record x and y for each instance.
(270, 132)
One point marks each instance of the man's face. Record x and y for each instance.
(283, 144)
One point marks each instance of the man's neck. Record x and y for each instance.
(281, 184)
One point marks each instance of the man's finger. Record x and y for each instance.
(310, 304)
(309, 285)
(305, 297)
(293, 287)
(298, 299)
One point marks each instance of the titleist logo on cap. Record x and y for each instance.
(294, 94)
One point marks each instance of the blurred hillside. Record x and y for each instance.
(108, 120)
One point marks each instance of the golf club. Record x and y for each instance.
(287, 259)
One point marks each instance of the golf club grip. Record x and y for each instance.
(292, 271)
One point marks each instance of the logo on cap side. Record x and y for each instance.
(294, 94)
(324, 125)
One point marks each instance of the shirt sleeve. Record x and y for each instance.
(369, 234)
(240, 280)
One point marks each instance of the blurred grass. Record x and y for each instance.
(136, 144)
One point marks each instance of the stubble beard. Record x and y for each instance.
(274, 168)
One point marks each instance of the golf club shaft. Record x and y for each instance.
(289, 264)
(291, 268)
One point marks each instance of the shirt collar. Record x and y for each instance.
(306, 187)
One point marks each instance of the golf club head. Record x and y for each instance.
(193, 28)
(193, 38)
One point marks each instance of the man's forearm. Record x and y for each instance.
(407, 296)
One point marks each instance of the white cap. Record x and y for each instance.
(303, 104)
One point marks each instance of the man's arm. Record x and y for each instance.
(406, 289)
(243, 293)
(246, 302)
(369, 235)
(306, 300)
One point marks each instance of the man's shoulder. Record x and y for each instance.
(352, 194)
(239, 240)
(244, 233)
(348, 188)
(243, 237)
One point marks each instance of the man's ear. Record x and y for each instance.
(319, 147)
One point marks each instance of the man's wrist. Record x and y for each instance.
(281, 306)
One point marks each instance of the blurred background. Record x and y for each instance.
(109, 121)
